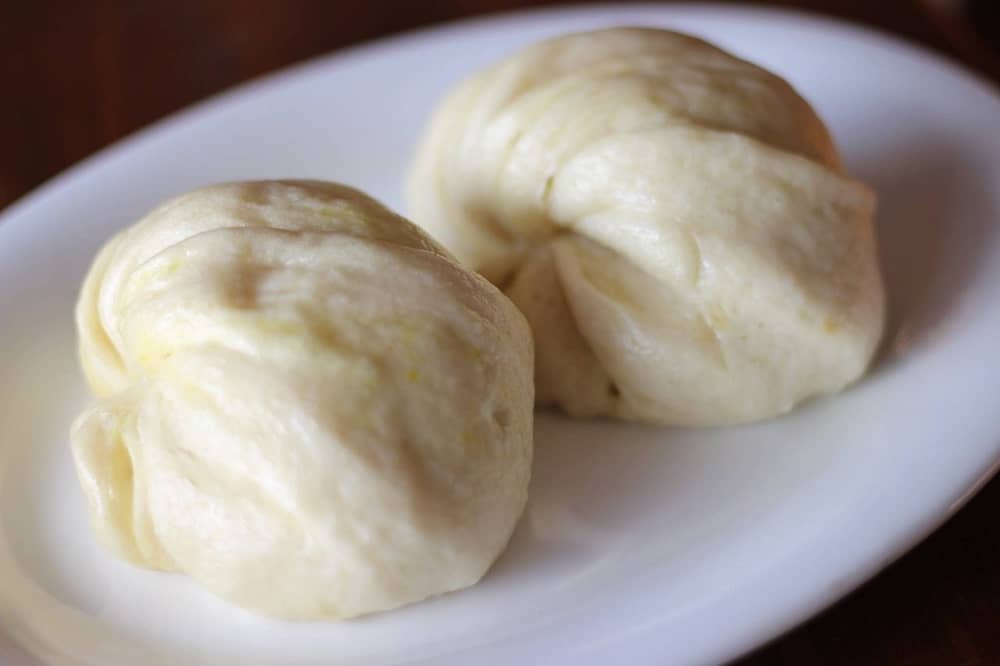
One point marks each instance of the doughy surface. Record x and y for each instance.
(304, 402)
(674, 222)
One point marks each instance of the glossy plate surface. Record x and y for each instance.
(639, 546)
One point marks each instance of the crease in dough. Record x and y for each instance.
(303, 402)
(701, 185)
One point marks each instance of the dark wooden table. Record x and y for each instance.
(76, 76)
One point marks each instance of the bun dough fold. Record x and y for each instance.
(674, 222)
(304, 402)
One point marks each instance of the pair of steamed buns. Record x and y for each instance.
(313, 409)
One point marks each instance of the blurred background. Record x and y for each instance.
(77, 76)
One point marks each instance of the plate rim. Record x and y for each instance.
(906, 539)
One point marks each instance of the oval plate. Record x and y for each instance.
(640, 545)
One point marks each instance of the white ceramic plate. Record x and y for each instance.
(639, 545)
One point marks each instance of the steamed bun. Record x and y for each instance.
(304, 403)
(674, 222)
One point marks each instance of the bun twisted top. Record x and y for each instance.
(674, 222)
(304, 402)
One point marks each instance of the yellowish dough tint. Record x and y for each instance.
(674, 222)
(298, 399)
